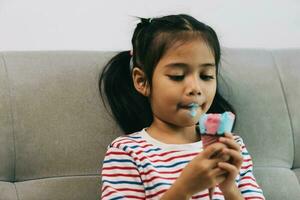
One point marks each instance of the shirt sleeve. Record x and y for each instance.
(246, 180)
(120, 176)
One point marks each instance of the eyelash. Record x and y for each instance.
(181, 77)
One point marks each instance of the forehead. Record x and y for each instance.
(195, 52)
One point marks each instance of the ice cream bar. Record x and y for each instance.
(214, 125)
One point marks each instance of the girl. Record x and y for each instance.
(173, 64)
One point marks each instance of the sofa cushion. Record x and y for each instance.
(7, 150)
(8, 191)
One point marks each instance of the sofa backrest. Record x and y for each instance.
(54, 129)
(265, 89)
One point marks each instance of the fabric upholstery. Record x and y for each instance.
(54, 130)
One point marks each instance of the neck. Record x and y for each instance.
(171, 134)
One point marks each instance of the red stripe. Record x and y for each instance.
(103, 189)
(155, 177)
(119, 167)
(131, 189)
(123, 189)
(200, 196)
(115, 190)
(126, 175)
(247, 166)
(172, 158)
(135, 197)
(155, 194)
(163, 154)
(108, 194)
(153, 155)
(247, 160)
(246, 198)
(127, 140)
(249, 184)
(248, 177)
(163, 172)
(133, 142)
(116, 153)
(218, 193)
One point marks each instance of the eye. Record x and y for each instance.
(206, 77)
(176, 77)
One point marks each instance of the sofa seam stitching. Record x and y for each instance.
(17, 193)
(11, 113)
(286, 104)
(57, 177)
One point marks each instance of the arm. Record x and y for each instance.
(240, 182)
(246, 182)
(120, 176)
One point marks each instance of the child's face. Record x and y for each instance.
(175, 86)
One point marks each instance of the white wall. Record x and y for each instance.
(108, 25)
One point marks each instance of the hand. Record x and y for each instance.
(233, 166)
(202, 172)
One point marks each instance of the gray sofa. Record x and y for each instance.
(54, 129)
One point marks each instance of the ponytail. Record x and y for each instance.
(130, 109)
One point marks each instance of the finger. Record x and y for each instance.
(218, 171)
(220, 179)
(221, 157)
(230, 143)
(228, 135)
(213, 150)
(218, 174)
(235, 157)
(231, 169)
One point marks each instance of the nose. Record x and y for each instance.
(194, 86)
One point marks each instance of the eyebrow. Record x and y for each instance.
(184, 65)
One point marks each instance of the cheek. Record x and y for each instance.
(210, 95)
(211, 90)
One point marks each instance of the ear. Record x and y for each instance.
(140, 81)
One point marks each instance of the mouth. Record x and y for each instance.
(192, 108)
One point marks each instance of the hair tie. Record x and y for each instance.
(146, 20)
(131, 60)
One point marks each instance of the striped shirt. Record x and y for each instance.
(137, 166)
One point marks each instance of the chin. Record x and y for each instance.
(190, 122)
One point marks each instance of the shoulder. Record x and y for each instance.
(130, 142)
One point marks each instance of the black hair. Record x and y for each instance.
(151, 39)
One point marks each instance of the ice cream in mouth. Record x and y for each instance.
(193, 109)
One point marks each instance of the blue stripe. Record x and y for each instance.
(156, 185)
(123, 182)
(135, 146)
(248, 191)
(245, 153)
(115, 198)
(163, 166)
(243, 174)
(118, 160)
(157, 149)
(134, 137)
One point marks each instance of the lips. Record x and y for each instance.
(190, 105)
(193, 105)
